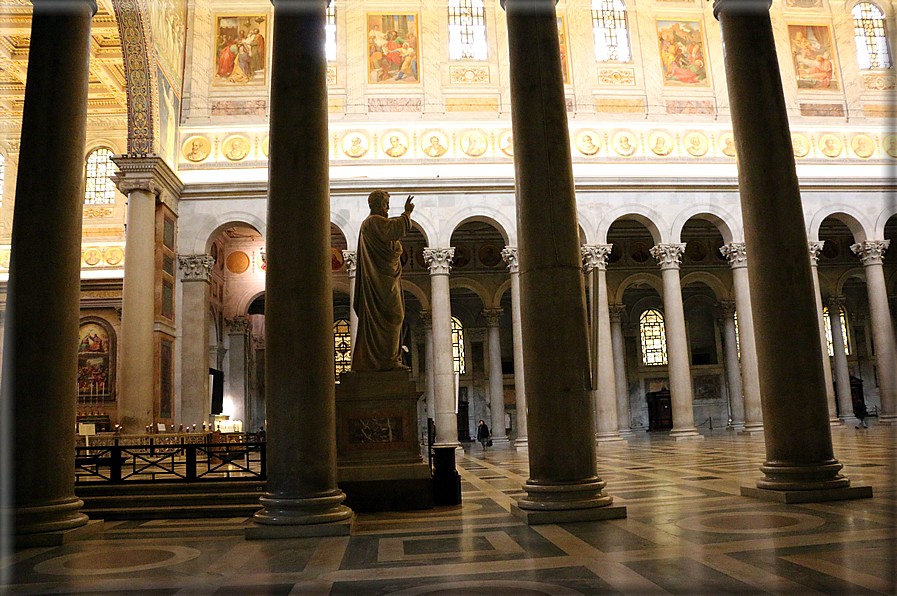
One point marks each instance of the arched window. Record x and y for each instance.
(330, 29)
(467, 30)
(611, 30)
(458, 346)
(99, 188)
(828, 331)
(654, 341)
(871, 37)
(342, 346)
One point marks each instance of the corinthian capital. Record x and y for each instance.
(351, 259)
(439, 260)
(492, 316)
(196, 267)
(871, 251)
(668, 255)
(509, 254)
(815, 247)
(735, 253)
(239, 324)
(594, 256)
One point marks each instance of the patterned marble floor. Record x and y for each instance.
(688, 532)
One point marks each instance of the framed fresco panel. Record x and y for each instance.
(96, 361)
(681, 45)
(562, 41)
(393, 48)
(813, 54)
(240, 46)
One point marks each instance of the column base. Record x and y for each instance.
(339, 528)
(60, 537)
(808, 496)
(887, 420)
(54, 516)
(752, 429)
(611, 437)
(850, 421)
(736, 426)
(521, 444)
(820, 476)
(627, 433)
(500, 441)
(324, 509)
(561, 503)
(686, 434)
(535, 518)
(834, 422)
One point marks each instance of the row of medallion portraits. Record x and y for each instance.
(96, 361)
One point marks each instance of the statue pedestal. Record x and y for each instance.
(379, 460)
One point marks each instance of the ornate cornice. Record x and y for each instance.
(815, 247)
(492, 316)
(509, 254)
(594, 256)
(668, 255)
(439, 260)
(240, 324)
(149, 174)
(139, 76)
(735, 253)
(870, 251)
(351, 261)
(196, 267)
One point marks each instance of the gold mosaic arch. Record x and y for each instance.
(130, 15)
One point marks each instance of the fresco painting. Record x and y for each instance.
(240, 47)
(393, 48)
(681, 45)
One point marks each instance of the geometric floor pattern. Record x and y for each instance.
(687, 532)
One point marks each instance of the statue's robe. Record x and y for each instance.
(379, 302)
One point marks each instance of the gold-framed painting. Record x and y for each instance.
(682, 60)
(240, 49)
(562, 42)
(813, 56)
(393, 48)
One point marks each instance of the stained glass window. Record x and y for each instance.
(342, 346)
(458, 346)
(99, 188)
(828, 332)
(330, 28)
(654, 341)
(611, 31)
(871, 37)
(467, 30)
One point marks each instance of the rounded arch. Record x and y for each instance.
(101, 143)
(724, 221)
(853, 273)
(586, 227)
(886, 214)
(474, 286)
(246, 299)
(885, 7)
(418, 292)
(424, 225)
(211, 226)
(638, 278)
(647, 217)
(345, 228)
(846, 214)
(340, 284)
(493, 217)
(709, 280)
(504, 287)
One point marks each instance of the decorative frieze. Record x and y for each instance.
(469, 74)
(879, 82)
(471, 104)
(681, 106)
(871, 251)
(616, 76)
(196, 267)
(668, 255)
(620, 106)
(735, 253)
(509, 255)
(97, 212)
(439, 260)
(822, 110)
(594, 256)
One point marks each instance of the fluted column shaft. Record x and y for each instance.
(39, 387)
(496, 382)
(439, 261)
(815, 247)
(668, 255)
(509, 254)
(871, 252)
(839, 355)
(351, 259)
(799, 454)
(733, 367)
(624, 424)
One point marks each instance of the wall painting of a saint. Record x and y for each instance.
(562, 41)
(682, 60)
(95, 365)
(813, 55)
(393, 48)
(240, 50)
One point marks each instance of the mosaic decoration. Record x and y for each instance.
(236, 147)
(625, 144)
(240, 42)
(355, 145)
(169, 116)
(830, 146)
(134, 47)
(393, 48)
(474, 144)
(196, 149)
(682, 59)
(469, 74)
(616, 76)
(661, 144)
(696, 144)
(813, 54)
(394, 144)
(434, 144)
(167, 22)
(588, 143)
(862, 146)
(727, 144)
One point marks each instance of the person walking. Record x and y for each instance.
(483, 435)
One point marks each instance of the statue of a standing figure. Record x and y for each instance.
(379, 302)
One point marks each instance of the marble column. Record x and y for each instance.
(238, 370)
(439, 260)
(733, 366)
(40, 359)
(195, 284)
(563, 483)
(736, 253)
(624, 420)
(799, 453)
(871, 252)
(302, 496)
(594, 259)
(351, 259)
(426, 321)
(815, 248)
(496, 380)
(839, 356)
(678, 354)
(509, 254)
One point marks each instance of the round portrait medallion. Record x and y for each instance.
(506, 144)
(661, 144)
(394, 144)
(489, 255)
(830, 146)
(863, 147)
(727, 144)
(625, 144)
(235, 148)
(237, 262)
(588, 143)
(113, 255)
(800, 144)
(196, 149)
(92, 257)
(890, 145)
(434, 144)
(265, 146)
(355, 145)
(474, 144)
(695, 144)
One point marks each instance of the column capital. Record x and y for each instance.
(815, 247)
(477, 334)
(594, 256)
(196, 267)
(735, 253)
(351, 259)
(509, 254)
(741, 7)
(668, 255)
(426, 318)
(492, 316)
(835, 303)
(439, 260)
(616, 310)
(239, 325)
(870, 251)
(727, 309)
(149, 174)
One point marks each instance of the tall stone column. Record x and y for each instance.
(426, 320)
(594, 260)
(624, 424)
(563, 483)
(799, 453)
(195, 283)
(736, 253)
(733, 367)
(351, 258)
(238, 379)
(815, 248)
(302, 496)
(870, 252)
(143, 180)
(509, 254)
(496, 381)
(839, 355)
(668, 255)
(40, 360)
